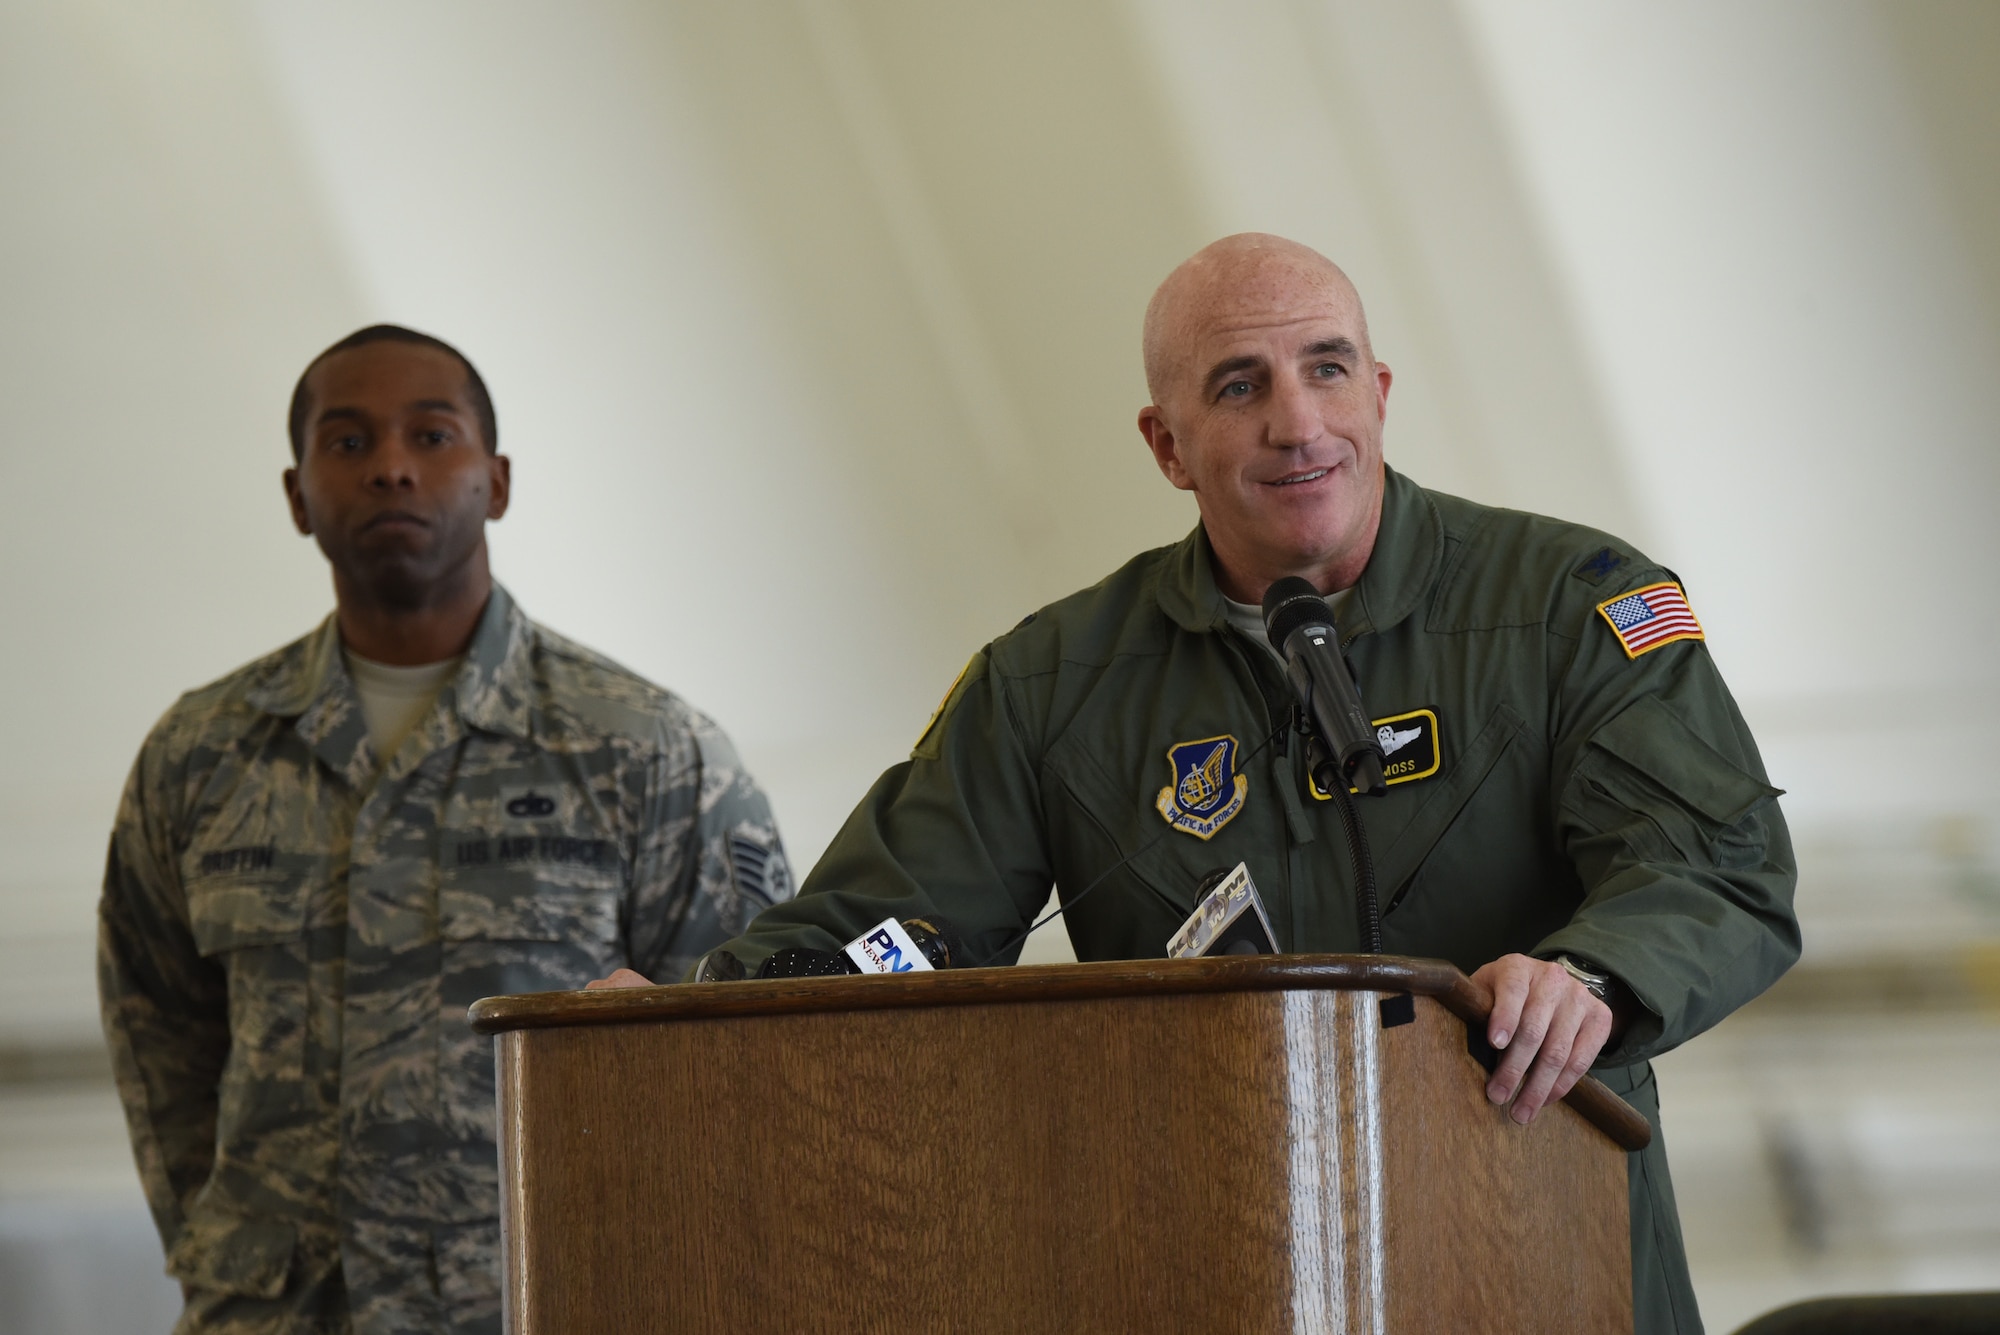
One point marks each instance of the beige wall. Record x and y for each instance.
(822, 315)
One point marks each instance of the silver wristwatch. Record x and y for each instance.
(1599, 985)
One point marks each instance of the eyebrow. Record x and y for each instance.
(1229, 368)
(1326, 347)
(419, 405)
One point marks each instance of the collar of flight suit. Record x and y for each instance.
(1409, 548)
(491, 691)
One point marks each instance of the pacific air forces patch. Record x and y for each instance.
(1207, 792)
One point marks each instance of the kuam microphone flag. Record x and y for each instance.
(1647, 618)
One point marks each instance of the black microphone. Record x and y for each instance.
(801, 962)
(1302, 629)
(938, 940)
(913, 945)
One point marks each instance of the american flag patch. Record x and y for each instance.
(1647, 618)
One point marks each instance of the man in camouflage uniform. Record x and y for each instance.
(293, 922)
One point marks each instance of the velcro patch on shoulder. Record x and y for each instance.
(1602, 562)
(925, 739)
(1645, 619)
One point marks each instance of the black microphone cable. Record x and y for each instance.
(1366, 902)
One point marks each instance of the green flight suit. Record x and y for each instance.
(1582, 801)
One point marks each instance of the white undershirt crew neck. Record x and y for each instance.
(395, 699)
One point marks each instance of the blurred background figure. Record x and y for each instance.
(845, 296)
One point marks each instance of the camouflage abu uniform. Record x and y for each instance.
(288, 943)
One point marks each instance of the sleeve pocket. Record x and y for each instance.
(1651, 778)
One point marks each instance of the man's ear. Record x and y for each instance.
(1160, 439)
(499, 486)
(297, 500)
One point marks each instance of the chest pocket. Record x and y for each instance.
(253, 923)
(545, 917)
(542, 918)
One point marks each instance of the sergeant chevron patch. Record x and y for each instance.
(1207, 792)
(1647, 618)
(760, 870)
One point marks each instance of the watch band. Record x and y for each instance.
(1599, 985)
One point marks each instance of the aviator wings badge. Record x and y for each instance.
(1207, 792)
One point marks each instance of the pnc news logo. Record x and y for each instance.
(887, 948)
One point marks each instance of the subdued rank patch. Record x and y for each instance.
(761, 871)
(1410, 749)
(1602, 563)
(527, 802)
(1647, 618)
(1207, 792)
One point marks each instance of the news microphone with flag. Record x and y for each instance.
(1302, 629)
(1229, 919)
(913, 945)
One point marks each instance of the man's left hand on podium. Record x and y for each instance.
(1547, 1027)
(619, 978)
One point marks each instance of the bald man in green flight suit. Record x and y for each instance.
(1576, 814)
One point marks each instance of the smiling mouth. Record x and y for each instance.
(1312, 475)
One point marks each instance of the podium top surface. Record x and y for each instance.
(984, 987)
(1035, 983)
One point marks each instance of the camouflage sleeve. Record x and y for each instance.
(165, 1008)
(709, 857)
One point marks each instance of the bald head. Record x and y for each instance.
(1268, 405)
(1250, 278)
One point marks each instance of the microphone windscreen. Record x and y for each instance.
(799, 962)
(1290, 603)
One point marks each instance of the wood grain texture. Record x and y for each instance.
(1246, 1160)
(1045, 1167)
(1038, 983)
(1489, 1225)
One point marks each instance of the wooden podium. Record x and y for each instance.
(1295, 1143)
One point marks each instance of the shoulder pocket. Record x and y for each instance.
(228, 1253)
(1649, 776)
